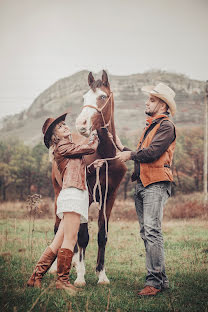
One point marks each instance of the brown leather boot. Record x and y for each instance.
(44, 263)
(64, 260)
(149, 291)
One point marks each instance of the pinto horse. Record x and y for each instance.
(97, 113)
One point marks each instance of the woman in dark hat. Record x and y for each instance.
(72, 202)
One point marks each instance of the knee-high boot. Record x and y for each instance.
(64, 259)
(44, 263)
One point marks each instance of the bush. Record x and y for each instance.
(186, 206)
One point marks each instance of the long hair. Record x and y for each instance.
(53, 142)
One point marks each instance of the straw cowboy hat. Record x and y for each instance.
(48, 127)
(164, 93)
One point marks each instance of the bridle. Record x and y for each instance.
(100, 110)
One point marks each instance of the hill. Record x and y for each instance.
(129, 103)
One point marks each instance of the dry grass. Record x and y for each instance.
(186, 207)
(122, 210)
(19, 209)
(178, 207)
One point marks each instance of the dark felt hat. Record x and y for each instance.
(48, 127)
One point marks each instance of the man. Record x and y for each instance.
(153, 159)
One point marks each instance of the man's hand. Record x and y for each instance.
(124, 156)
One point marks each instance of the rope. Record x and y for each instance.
(98, 185)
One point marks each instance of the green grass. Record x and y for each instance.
(186, 248)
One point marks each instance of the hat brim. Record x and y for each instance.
(168, 100)
(48, 134)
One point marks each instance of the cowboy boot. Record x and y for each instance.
(64, 260)
(44, 263)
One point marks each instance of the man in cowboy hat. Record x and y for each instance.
(152, 171)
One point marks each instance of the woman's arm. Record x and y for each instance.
(66, 148)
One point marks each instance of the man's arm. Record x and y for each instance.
(164, 136)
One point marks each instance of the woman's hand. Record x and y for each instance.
(93, 134)
(98, 163)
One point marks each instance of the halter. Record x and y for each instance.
(99, 110)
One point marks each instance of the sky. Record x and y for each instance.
(43, 41)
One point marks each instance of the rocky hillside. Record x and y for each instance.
(129, 103)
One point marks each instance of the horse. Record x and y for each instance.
(97, 114)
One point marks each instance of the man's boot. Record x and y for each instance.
(64, 259)
(44, 263)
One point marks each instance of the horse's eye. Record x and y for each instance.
(103, 97)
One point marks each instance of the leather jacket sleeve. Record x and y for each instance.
(67, 149)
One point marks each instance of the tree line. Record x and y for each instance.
(25, 170)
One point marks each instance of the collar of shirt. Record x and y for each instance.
(150, 120)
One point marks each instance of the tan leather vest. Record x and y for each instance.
(158, 170)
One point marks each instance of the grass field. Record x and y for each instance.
(186, 246)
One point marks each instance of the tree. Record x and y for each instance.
(6, 178)
(188, 160)
(23, 169)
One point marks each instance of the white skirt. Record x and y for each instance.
(73, 200)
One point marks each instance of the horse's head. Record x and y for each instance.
(98, 106)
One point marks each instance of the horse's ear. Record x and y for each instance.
(90, 79)
(105, 79)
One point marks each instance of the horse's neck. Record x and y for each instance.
(106, 148)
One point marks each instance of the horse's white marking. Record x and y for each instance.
(83, 121)
(102, 278)
(53, 268)
(80, 269)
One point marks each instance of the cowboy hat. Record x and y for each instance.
(48, 127)
(164, 93)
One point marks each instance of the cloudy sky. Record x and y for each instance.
(45, 40)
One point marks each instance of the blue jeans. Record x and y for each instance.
(149, 202)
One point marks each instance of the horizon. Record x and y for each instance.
(43, 42)
(96, 73)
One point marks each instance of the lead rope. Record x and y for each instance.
(98, 185)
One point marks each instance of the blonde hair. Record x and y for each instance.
(53, 142)
(51, 153)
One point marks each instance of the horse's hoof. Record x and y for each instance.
(102, 278)
(103, 282)
(79, 284)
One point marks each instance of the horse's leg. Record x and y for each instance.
(79, 254)
(102, 240)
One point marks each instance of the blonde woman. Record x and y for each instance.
(72, 202)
